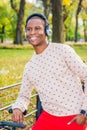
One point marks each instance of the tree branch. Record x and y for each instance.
(14, 6)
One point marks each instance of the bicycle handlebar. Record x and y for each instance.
(12, 124)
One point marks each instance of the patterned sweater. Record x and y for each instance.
(56, 73)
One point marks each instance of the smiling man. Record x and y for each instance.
(56, 71)
(36, 31)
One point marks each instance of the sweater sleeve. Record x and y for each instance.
(23, 98)
(78, 67)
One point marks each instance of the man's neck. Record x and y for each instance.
(40, 48)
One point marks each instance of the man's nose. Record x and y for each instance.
(33, 31)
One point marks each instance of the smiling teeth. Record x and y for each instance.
(32, 38)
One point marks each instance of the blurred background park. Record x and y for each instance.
(67, 19)
(68, 22)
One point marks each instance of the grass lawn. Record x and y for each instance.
(81, 51)
(12, 63)
(13, 59)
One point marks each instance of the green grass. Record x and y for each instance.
(12, 63)
(13, 59)
(81, 51)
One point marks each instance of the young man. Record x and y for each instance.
(56, 71)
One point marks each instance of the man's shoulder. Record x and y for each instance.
(59, 45)
(61, 48)
(28, 63)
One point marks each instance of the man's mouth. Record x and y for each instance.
(32, 38)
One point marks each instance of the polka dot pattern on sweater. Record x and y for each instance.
(56, 74)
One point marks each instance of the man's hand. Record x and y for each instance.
(17, 116)
(79, 119)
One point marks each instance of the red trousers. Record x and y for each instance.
(49, 122)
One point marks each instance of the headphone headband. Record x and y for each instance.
(38, 15)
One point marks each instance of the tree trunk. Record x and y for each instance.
(19, 28)
(76, 29)
(77, 13)
(85, 30)
(47, 7)
(20, 15)
(57, 21)
(2, 33)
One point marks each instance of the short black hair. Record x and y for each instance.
(43, 17)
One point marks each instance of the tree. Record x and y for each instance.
(20, 16)
(85, 29)
(77, 13)
(2, 24)
(3, 19)
(57, 21)
(47, 7)
(84, 17)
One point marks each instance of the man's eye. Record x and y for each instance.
(38, 28)
(28, 29)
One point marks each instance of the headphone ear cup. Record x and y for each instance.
(48, 30)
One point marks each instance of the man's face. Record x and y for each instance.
(35, 31)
